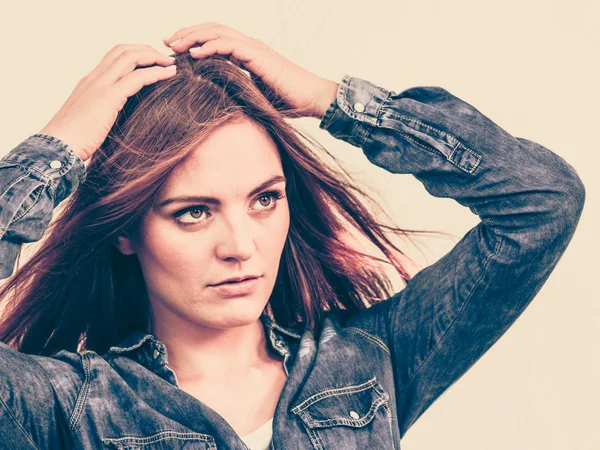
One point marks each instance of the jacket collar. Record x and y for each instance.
(140, 345)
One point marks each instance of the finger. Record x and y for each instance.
(221, 29)
(110, 57)
(239, 49)
(202, 35)
(129, 61)
(114, 53)
(131, 83)
(175, 37)
(185, 30)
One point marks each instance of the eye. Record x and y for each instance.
(272, 197)
(195, 212)
(268, 200)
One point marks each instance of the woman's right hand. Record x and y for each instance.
(87, 116)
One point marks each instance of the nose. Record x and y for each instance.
(236, 239)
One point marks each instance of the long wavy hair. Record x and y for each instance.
(79, 292)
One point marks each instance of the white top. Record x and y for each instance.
(260, 439)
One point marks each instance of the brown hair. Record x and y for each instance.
(79, 292)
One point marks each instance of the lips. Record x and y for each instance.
(237, 288)
(236, 281)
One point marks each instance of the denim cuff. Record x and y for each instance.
(47, 158)
(355, 109)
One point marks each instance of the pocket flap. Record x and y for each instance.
(353, 406)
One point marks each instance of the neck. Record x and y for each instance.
(199, 353)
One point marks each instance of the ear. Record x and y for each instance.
(124, 244)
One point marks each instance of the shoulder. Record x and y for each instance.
(28, 398)
(367, 327)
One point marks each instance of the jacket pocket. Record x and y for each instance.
(163, 440)
(349, 417)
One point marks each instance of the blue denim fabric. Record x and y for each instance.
(368, 376)
(30, 189)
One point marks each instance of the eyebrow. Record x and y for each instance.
(216, 201)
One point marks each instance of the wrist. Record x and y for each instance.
(326, 97)
(66, 139)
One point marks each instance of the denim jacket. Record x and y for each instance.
(369, 375)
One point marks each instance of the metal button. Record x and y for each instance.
(359, 107)
(155, 354)
(354, 414)
(56, 164)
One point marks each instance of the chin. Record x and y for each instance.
(236, 315)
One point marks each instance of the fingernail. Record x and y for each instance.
(173, 67)
(174, 42)
(196, 49)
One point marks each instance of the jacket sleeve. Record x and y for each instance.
(529, 201)
(30, 418)
(34, 178)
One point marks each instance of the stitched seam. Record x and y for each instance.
(334, 393)
(378, 113)
(465, 303)
(390, 420)
(435, 151)
(473, 152)
(16, 163)
(3, 230)
(380, 109)
(48, 180)
(72, 158)
(52, 188)
(331, 392)
(314, 437)
(429, 148)
(13, 183)
(162, 435)
(411, 119)
(458, 144)
(40, 173)
(30, 169)
(329, 114)
(46, 376)
(429, 127)
(344, 105)
(37, 198)
(18, 424)
(372, 338)
(341, 94)
(368, 417)
(283, 330)
(133, 347)
(82, 397)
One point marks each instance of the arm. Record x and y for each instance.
(30, 418)
(34, 178)
(529, 201)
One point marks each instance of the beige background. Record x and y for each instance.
(531, 66)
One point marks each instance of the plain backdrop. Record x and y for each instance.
(531, 66)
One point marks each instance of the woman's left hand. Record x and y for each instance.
(298, 87)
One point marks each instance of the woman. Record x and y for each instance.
(129, 334)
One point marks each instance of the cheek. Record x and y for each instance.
(276, 236)
(285, 228)
(169, 250)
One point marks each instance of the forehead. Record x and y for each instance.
(231, 161)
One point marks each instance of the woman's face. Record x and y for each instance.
(186, 246)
